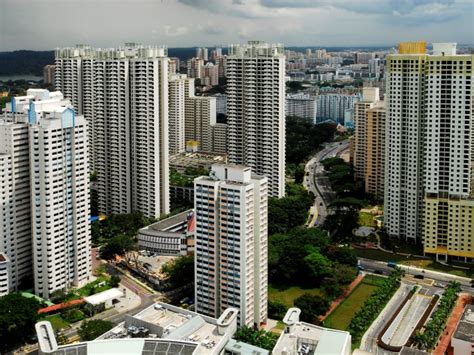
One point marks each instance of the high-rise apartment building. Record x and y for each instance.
(210, 74)
(219, 138)
(15, 216)
(202, 53)
(331, 107)
(123, 94)
(363, 57)
(49, 209)
(448, 162)
(301, 105)
(375, 154)
(370, 99)
(200, 116)
(256, 111)
(4, 274)
(48, 74)
(177, 96)
(231, 243)
(195, 67)
(429, 144)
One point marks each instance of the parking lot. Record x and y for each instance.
(153, 263)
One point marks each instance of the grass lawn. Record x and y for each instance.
(57, 322)
(289, 294)
(86, 290)
(366, 219)
(413, 261)
(342, 315)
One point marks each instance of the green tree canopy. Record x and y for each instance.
(91, 329)
(180, 271)
(303, 138)
(318, 265)
(311, 306)
(117, 246)
(18, 316)
(260, 338)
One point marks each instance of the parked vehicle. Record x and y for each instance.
(392, 264)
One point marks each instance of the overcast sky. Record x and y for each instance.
(46, 24)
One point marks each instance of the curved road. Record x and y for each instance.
(316, 181)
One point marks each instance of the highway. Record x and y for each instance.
(381, 267)
(316, 181)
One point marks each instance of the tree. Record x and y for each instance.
(276, 310)
(180, 271)
(318, 265)
(18, 316)
(343, 219)
(288, 251)
(343, 255)
(114, 281)
(311, 306)
(92, 329)
(117, 246)
(260, 338)
(72, 315)
(335, 284)
(291, 211)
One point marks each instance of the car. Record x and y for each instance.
(439, 284)
(185, 300)
(378, 272)
(418, 276)
(147, 266)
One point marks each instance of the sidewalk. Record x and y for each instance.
(445, 338)
(341, 298)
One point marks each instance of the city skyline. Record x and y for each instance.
(183, 23)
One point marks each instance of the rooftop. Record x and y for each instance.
(173, 224)
(164, 321)
(195, 159)
(104, 296)
(299, 337)
(465, 328)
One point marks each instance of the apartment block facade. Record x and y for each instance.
(177, 96)
(375, 157)
(231, 243)
(331, 107)
(429, 161)
(47, 147)
(301, 105)
(256, 111)
(370, 99)
(123, 94)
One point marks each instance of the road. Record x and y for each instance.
(429, 287)
(316, 181)
(147, 299)
(380, 266)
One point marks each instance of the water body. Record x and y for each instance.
(27, 77)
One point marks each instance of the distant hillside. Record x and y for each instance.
(32, 62)
(25, 62)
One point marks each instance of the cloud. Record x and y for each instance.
(403, 11)
(175, 31)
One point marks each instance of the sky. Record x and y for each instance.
(47, 24)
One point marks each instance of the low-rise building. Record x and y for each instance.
(463, 338)
(305, 338)
(196, 160)
(160, 329)
(171, 236)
